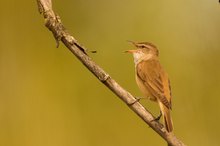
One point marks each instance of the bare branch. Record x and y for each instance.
(53, 23)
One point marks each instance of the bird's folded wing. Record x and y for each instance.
(153, 76)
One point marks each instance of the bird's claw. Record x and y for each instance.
(157, 118)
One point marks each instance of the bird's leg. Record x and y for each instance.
(158, 117)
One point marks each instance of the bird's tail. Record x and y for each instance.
(167, 118)
(168, 123)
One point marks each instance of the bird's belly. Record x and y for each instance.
(144, 89)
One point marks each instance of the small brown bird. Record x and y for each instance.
(152, 80)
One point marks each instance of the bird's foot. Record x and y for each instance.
(157, 118)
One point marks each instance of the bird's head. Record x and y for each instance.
(144, 50)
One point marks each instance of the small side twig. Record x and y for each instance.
(53, 23)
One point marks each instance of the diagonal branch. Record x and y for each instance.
(53, 23)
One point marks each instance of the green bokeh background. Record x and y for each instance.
(48, 98)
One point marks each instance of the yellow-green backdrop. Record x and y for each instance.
(48, 98)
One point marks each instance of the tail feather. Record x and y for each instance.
(168, 120)
(167, 117)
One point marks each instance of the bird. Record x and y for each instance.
(152, 79)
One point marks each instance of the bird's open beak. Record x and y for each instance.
(130, 51)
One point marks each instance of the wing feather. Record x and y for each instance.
(156, 80)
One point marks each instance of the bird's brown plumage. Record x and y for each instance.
(151, 78)
(155, 84)
(156, 80)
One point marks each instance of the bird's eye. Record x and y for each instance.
(142, 46)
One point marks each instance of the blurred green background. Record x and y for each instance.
(48, 98)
